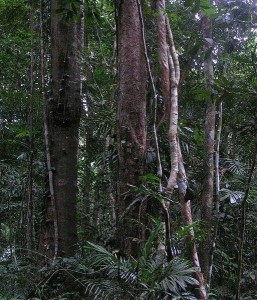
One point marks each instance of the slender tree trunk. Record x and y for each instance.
(87, 177)
(112, 199)
(174, 77)
(163, 53)
(30, 204)
(89, 148)
(173, 116)
(131, 121)
(243, 226)
(170, 78)
(63, 118)
(188, 221)
(217, 188)
(209, 141)
(49, 239)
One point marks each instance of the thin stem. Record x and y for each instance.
(217, 188)
(46, 135)
(243, 225)
(173, 52)
(173, 122)
(165, 204)
(188, 221)
(159, 164)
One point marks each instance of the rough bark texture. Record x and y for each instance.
(163, 52)
(63, 117)
(131, 121)
(209, 141)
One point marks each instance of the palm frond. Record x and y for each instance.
(233, 196)
(101, 257)
(176, 276)
(149, 277)
(104, 289)
(234, 166)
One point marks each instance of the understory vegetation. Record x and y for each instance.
(157, 262)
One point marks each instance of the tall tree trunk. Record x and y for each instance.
(63, 118)
(178, 173)
(217, 188)
(31, 204)
(163, 53)
(169, 79)
(131, 121)
(209, 141)
(173, 116)
(89, 149)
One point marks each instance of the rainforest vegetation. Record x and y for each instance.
(128, 149)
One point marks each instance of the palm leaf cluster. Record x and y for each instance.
(112, 276)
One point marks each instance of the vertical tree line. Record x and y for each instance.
(63, 112)
(128, 170)
(131, 116)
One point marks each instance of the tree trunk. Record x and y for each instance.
(217, 189)
(31, 204)
(186, 212)
(131, 122)
(163, 53)
(242, 238)
(208, 184)
(63, 118)
(173, 115)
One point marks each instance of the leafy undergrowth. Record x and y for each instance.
(100, 274)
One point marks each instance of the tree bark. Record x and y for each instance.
(209, 141)
(173, 116)
(217, 188)
(131, 122)
(163, 53)
(31, 205)
(63, 118)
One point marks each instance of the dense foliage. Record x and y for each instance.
(98, 271)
